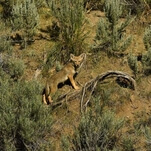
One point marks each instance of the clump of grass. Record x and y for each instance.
(25, 18)
(147, 134)
(5, 41)
(14, 67)
(142, 119)
(97, 130)
(133, 63)
(71, 21)
(110, 31)
(25, 122)
(146, 58)
(128, 144)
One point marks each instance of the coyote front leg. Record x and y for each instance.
(73, 82)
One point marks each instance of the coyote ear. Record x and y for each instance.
(83, 55)
(71, 56)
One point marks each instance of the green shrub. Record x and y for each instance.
(40, 3)
(25, 18)
(128, 144)
(25, 122)
(147, 134)
(142, 119)
(146, 61)
(137, 7)
(7, 8)
(142, 126)
(71, 19)
(94, 4)
(97, 130)
(110, 31)
(14, 67)
(146, 57)
(54, 55)
(5, 42)
(147, 38)
(132, 62)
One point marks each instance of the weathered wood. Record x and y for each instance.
(91, 86)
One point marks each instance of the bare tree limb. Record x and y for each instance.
(83, 94)
(91, 85)
(89, 96)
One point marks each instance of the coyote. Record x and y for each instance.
(67, 72)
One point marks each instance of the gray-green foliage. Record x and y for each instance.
(147, 133)
(5, 43)
(97, 130)
(53, 56)
(137, 7)
(71, 19)
(14, 67)
(146, 61)
(142, 126)
(128, 144)
(133, 64)
(110, 34)
(146, 57)
(40, 3)
(147, 38)
(24, 120)
(25, 18)
(7, 7)
(93, 4)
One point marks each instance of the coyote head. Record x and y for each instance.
(77, 59)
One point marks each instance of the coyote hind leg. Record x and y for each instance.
(49, 99)
(53, 89)
(44, 99)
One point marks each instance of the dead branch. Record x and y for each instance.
(91, 85)
(94, 85)
(83, 94)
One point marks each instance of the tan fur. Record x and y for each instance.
(66, 73)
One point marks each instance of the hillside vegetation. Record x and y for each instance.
(36, 40)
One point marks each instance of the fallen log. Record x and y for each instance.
(121, 77)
